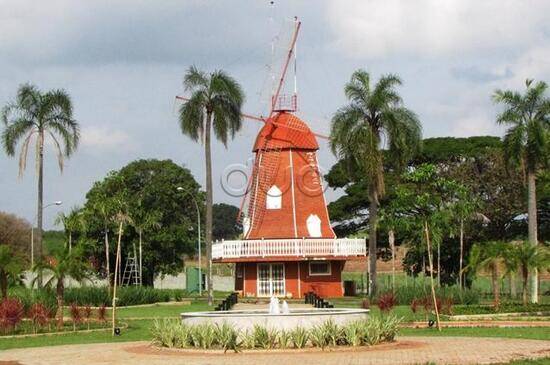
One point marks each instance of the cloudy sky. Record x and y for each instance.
(123, 61)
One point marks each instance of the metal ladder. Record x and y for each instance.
(131, 272)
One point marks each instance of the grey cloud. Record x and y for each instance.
(480, 75)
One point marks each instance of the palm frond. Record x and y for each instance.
(195, 79)
(59, 152)
(24, 152)
(191, 116)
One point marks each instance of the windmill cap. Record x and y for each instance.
(285, 130)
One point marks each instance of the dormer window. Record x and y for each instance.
(274, 197)
(313, 223)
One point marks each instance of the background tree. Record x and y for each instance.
(62, 265)
(11, 267)
(527, 144)
(356, 137)
(215, 103)
(38, 115)
(476, 163)
(143, 221)
(225, 224)
(15, 232)
(153, 182)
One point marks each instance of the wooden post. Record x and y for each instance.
(115, 281)
(430, 259)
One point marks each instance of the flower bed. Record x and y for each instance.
(173, 334)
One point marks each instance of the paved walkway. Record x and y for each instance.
(408, 350)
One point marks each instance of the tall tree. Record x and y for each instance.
(488, 256)
(36, 114)
(527, 144)
(215, 103)
(357, 133)
(71, 222)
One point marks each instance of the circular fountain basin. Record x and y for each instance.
(306, 318)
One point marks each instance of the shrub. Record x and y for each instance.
(299, 337)
(170, 333)
(386, 302)
(389, 328)
(101, 313)
(317, 336)
(88, 314)
(76, 315)
(39, 315)
(11, 313)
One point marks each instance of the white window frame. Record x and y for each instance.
(274, 198)
(320, 274)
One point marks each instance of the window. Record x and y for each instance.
(317, 268)
(273, 200)
(313, 223)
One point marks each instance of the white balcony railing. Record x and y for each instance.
(307, 247)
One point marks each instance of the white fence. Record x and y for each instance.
(305, 247)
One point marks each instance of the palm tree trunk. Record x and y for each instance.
(107, 261)
(439, 264)
(513, 291)
(373, 220)
(391, 239)
(113, 310)
(461, 254)
(525, 274)
(496, 287)
(430, 260)
(532, 227)
(4, 284)
(59, 296)
(70, 242)
(209, 200)
(40, 202)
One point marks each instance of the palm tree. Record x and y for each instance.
(62, 265)
(142, 221)
(525, 258)
(527, 144)
(11, 267)
(215, 103)
(38, 115)
(71, 222)
(488, 256)
(103, 208)
(375, 118)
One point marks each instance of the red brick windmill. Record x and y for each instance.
(288, 246)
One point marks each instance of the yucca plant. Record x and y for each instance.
(11, 313)
(285, 339)
(372, 331)
(264, 338)
(352, 333)
(102, 313)
(333, 332)
(318, 337)
(203, 336)
(167, 332)
(299, 337)
(88, 315)
(389, 328)
(76, 315)
(228, 337)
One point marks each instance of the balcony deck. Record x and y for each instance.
(289, 249)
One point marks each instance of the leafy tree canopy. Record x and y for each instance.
(225, 225)
(149, 189)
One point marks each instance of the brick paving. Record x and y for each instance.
(408, 350)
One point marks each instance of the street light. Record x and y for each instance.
(180, 189)
(58, 202)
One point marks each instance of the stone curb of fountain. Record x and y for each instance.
(465, 317)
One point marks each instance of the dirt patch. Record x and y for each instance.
(10, 363)
(155, 350)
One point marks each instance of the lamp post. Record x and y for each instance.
(180, 189)
(59, 202)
